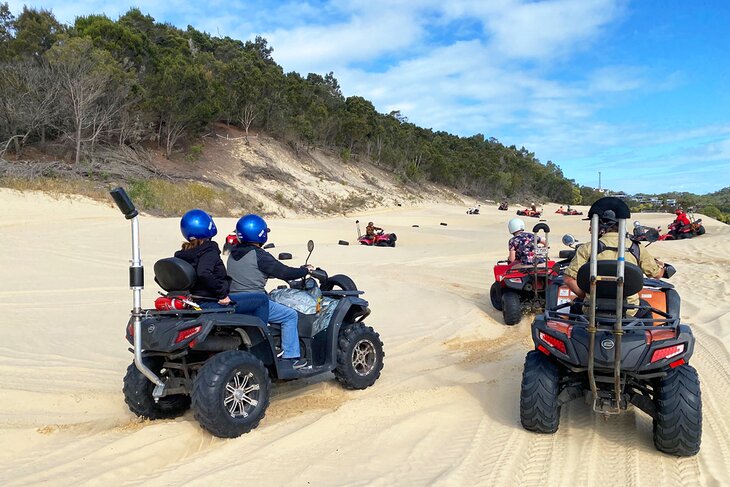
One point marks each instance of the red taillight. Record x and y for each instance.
(543, 350)
(553, 342)
(130, 329)
(560, 327)
(677, 363)
(187, 333)
(658, 335)
(667, 352)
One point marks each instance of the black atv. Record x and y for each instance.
(221, 363)
(575, 350)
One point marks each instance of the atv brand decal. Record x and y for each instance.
(607, 344)
(151, 329)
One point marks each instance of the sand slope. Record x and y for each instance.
(444, 412)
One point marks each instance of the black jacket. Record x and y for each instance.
(212, 280)
(249, 266)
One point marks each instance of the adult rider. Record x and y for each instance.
(250, 266)
(679, 222)
(608, 249)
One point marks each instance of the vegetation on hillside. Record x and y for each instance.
(134, 82)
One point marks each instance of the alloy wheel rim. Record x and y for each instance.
(363, 357)
(242, 394)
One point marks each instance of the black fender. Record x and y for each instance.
(254, 333)
(160, 331)
(349, 309)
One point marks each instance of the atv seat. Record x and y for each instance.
(174, 275)
(177, 277)
(633, 279)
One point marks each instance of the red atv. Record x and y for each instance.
(231, 241)
(380, 239)
(519, 287)
(529, 212)
(677, 231)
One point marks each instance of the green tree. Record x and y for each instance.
(35, 33)
(181, 96)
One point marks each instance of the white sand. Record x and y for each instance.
(445, 410)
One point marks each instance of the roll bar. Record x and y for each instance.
(136, 284)
(622, 213)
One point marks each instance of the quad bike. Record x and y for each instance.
(503, 206)
(575, 351)
(642, 233)
(529, 212)
(474, 210)
(521, 287)
(231, 241)
(380, 239)
(678, 231)
(221, 364)
(571, 212)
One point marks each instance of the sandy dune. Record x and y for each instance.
(445, 410)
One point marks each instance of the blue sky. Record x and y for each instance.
(639, 90)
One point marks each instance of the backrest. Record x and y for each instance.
(633, 279)
(174, 275)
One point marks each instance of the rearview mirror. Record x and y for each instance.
(310, 245)
(568, 240)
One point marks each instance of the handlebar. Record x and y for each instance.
(319, 274)
(124, 203)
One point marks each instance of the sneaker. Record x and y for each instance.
(297, 363)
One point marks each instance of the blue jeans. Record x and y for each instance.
(288, 319)
(256, 304)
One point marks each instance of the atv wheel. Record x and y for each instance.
(701, 230)
(138, 393)
(678, 422)
(359, 356)
(495, 295)
(539, 406)
(231, 393)
(511, 308)
(341, 281)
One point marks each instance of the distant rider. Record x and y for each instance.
(250, 266)
(682, 218)
(211, 280)
(371, 229)
(522, 244)
(608, 239)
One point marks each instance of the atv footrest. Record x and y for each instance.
(289, 373)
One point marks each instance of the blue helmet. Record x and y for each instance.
(252, 228)
(197, 224)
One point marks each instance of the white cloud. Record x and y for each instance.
(539, 30)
